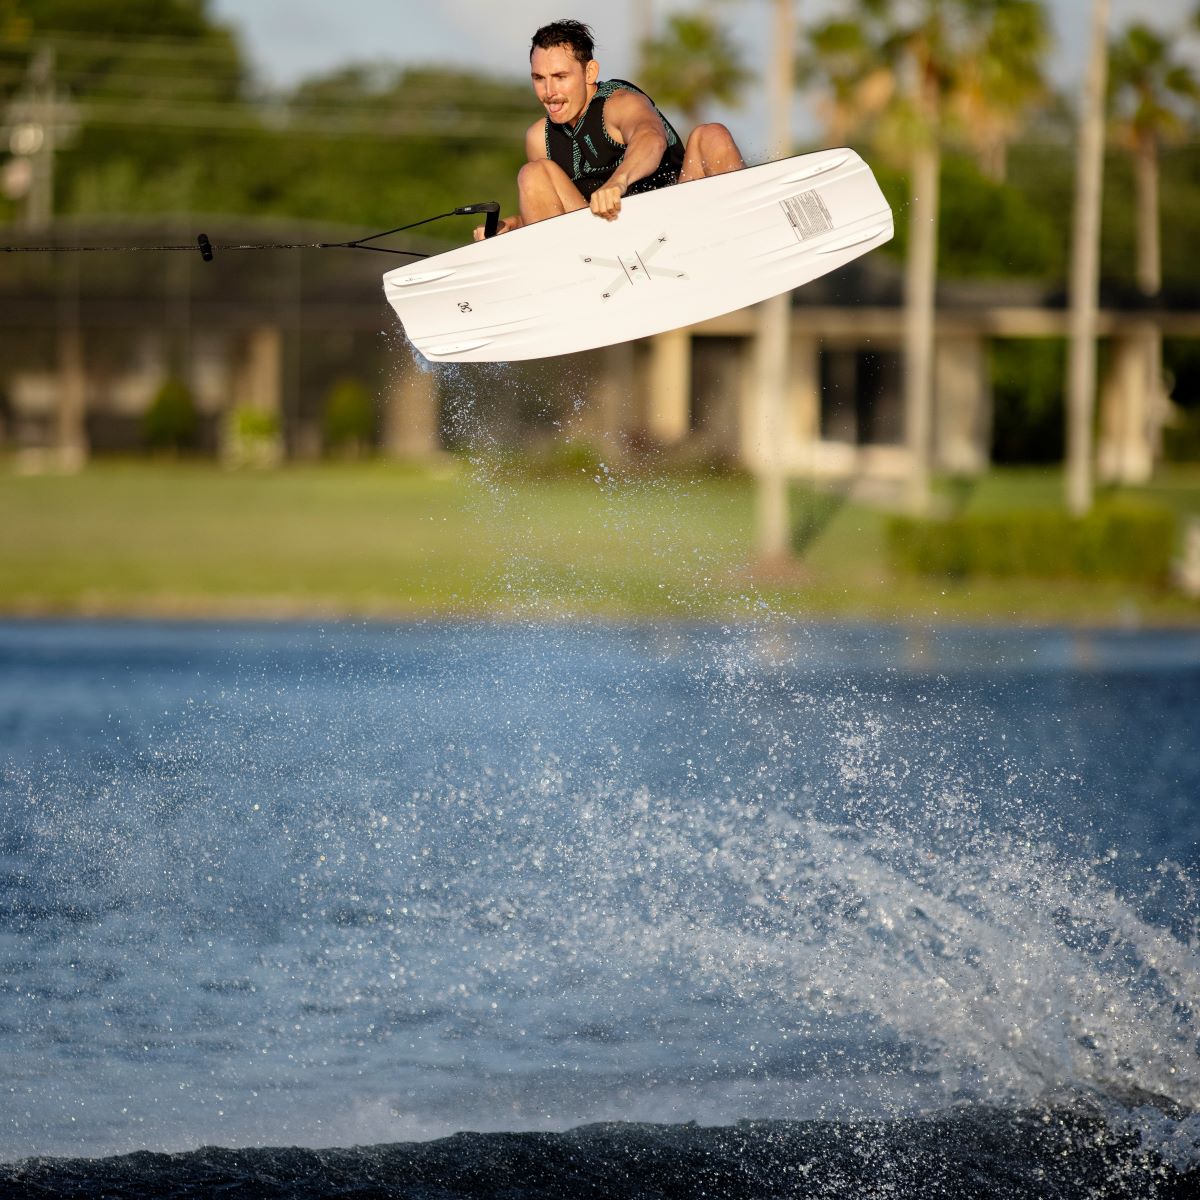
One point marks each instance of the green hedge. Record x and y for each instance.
(1110, 543)
(1181, 440)
(348, 420)
(171, 421)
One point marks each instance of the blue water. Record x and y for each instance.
(308, 885)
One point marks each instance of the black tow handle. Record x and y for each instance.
(491, 222)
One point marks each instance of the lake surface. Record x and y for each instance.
(312, 886)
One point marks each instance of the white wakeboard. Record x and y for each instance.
(672, 257)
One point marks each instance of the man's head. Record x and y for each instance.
(562, 69)
(575, 35)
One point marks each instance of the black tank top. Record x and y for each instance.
(589, 155)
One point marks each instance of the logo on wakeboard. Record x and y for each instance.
(635, 267)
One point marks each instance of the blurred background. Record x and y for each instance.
(996, 416)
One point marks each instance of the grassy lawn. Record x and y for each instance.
(381, 539)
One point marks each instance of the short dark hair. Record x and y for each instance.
(575, 35)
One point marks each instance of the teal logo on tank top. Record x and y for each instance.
(587, 140)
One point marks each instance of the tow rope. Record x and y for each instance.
(208, 249)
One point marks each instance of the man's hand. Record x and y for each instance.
(606, 200)
(507, 225)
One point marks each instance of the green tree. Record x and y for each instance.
(1002, 82)
(373, 144)
(847, 57)
(135, 52)
(911, 71)
(132, 82)
(693, 64)
(1152, 93)
(171, 120)
(15, 24)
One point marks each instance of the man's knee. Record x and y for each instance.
(544, 189)
(531, 175)
(713, 134)
(540, 174)
(711, 150)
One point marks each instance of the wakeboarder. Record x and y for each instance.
(601, 139)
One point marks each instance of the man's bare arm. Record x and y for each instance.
(631, 119)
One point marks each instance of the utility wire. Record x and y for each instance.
(327, 128)
(220, 46)
(136, 83)
(369, 121)
(217, 117)
(405, 109)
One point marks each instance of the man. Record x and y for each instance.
(600, 140)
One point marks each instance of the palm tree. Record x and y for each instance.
(1002, 83)
(911, 69)
(859, 82)
(1147, 82)
(1147, 85)
(692, 64)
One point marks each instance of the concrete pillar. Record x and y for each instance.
(803, 425)
(1187, 569)
(962, 407)
(668, 407)
(252, 434)
(607, 415)
(1158, 393)
(210, 373)
(410, 412)
(749, 417)
(70, 427)
(261, 377)
(801, 418)
(772, 520)
(305, 439)
(1124, 453)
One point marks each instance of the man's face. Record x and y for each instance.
(562, 83)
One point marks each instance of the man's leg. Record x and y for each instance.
(546, 190)
(710, 150)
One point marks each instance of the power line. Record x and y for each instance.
(185, 50)
(155, 100)
(141, 82)
(143, 44)
(234, 118)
